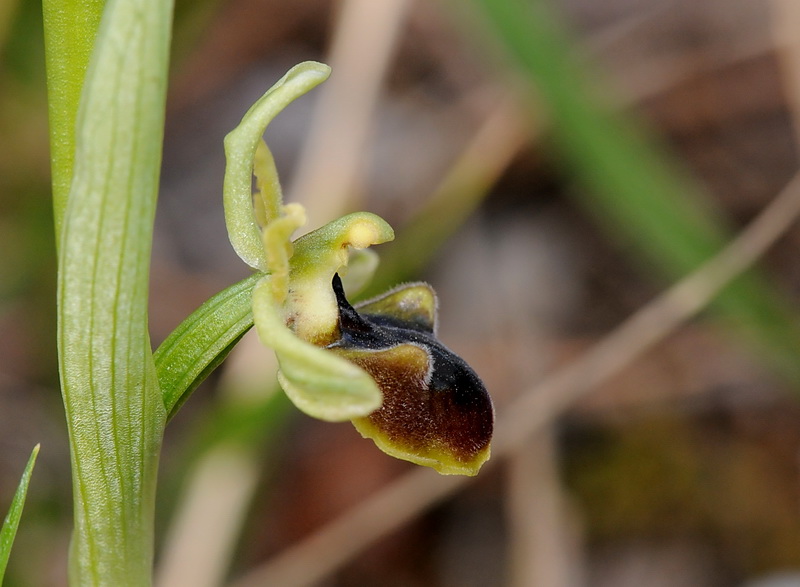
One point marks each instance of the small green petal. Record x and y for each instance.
(269, 198)
(360, 269)
(279, 249)
(318, 382)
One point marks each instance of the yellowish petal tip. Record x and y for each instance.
(369, 230)
(438, 458)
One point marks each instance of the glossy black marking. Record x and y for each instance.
(379, 332)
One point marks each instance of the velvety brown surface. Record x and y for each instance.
(433, 402)
(456, 418)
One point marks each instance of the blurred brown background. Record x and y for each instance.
(681, 470)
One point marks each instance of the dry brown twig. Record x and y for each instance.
(543, 538)
(402, 500)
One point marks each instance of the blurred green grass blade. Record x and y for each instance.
(631, 179)
(11, 523)
(202, 341)
(115, 413)
(628, 182)
(70, 28)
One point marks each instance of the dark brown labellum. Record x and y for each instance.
(436, 411)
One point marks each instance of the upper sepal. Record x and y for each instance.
(241, 146)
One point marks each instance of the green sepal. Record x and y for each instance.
(241, 145)
(318, 382)
(361, 266)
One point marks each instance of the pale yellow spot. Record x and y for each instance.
(363, 234)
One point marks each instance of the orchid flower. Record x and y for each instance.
(379, 363)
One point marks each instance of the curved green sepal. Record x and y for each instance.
(11, 522)
(202, 341)
(318, 382)
(414, 305)
(240, 151)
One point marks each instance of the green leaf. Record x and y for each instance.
(202, 341)
(11, 523)
(70, 27)
(115, 413)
